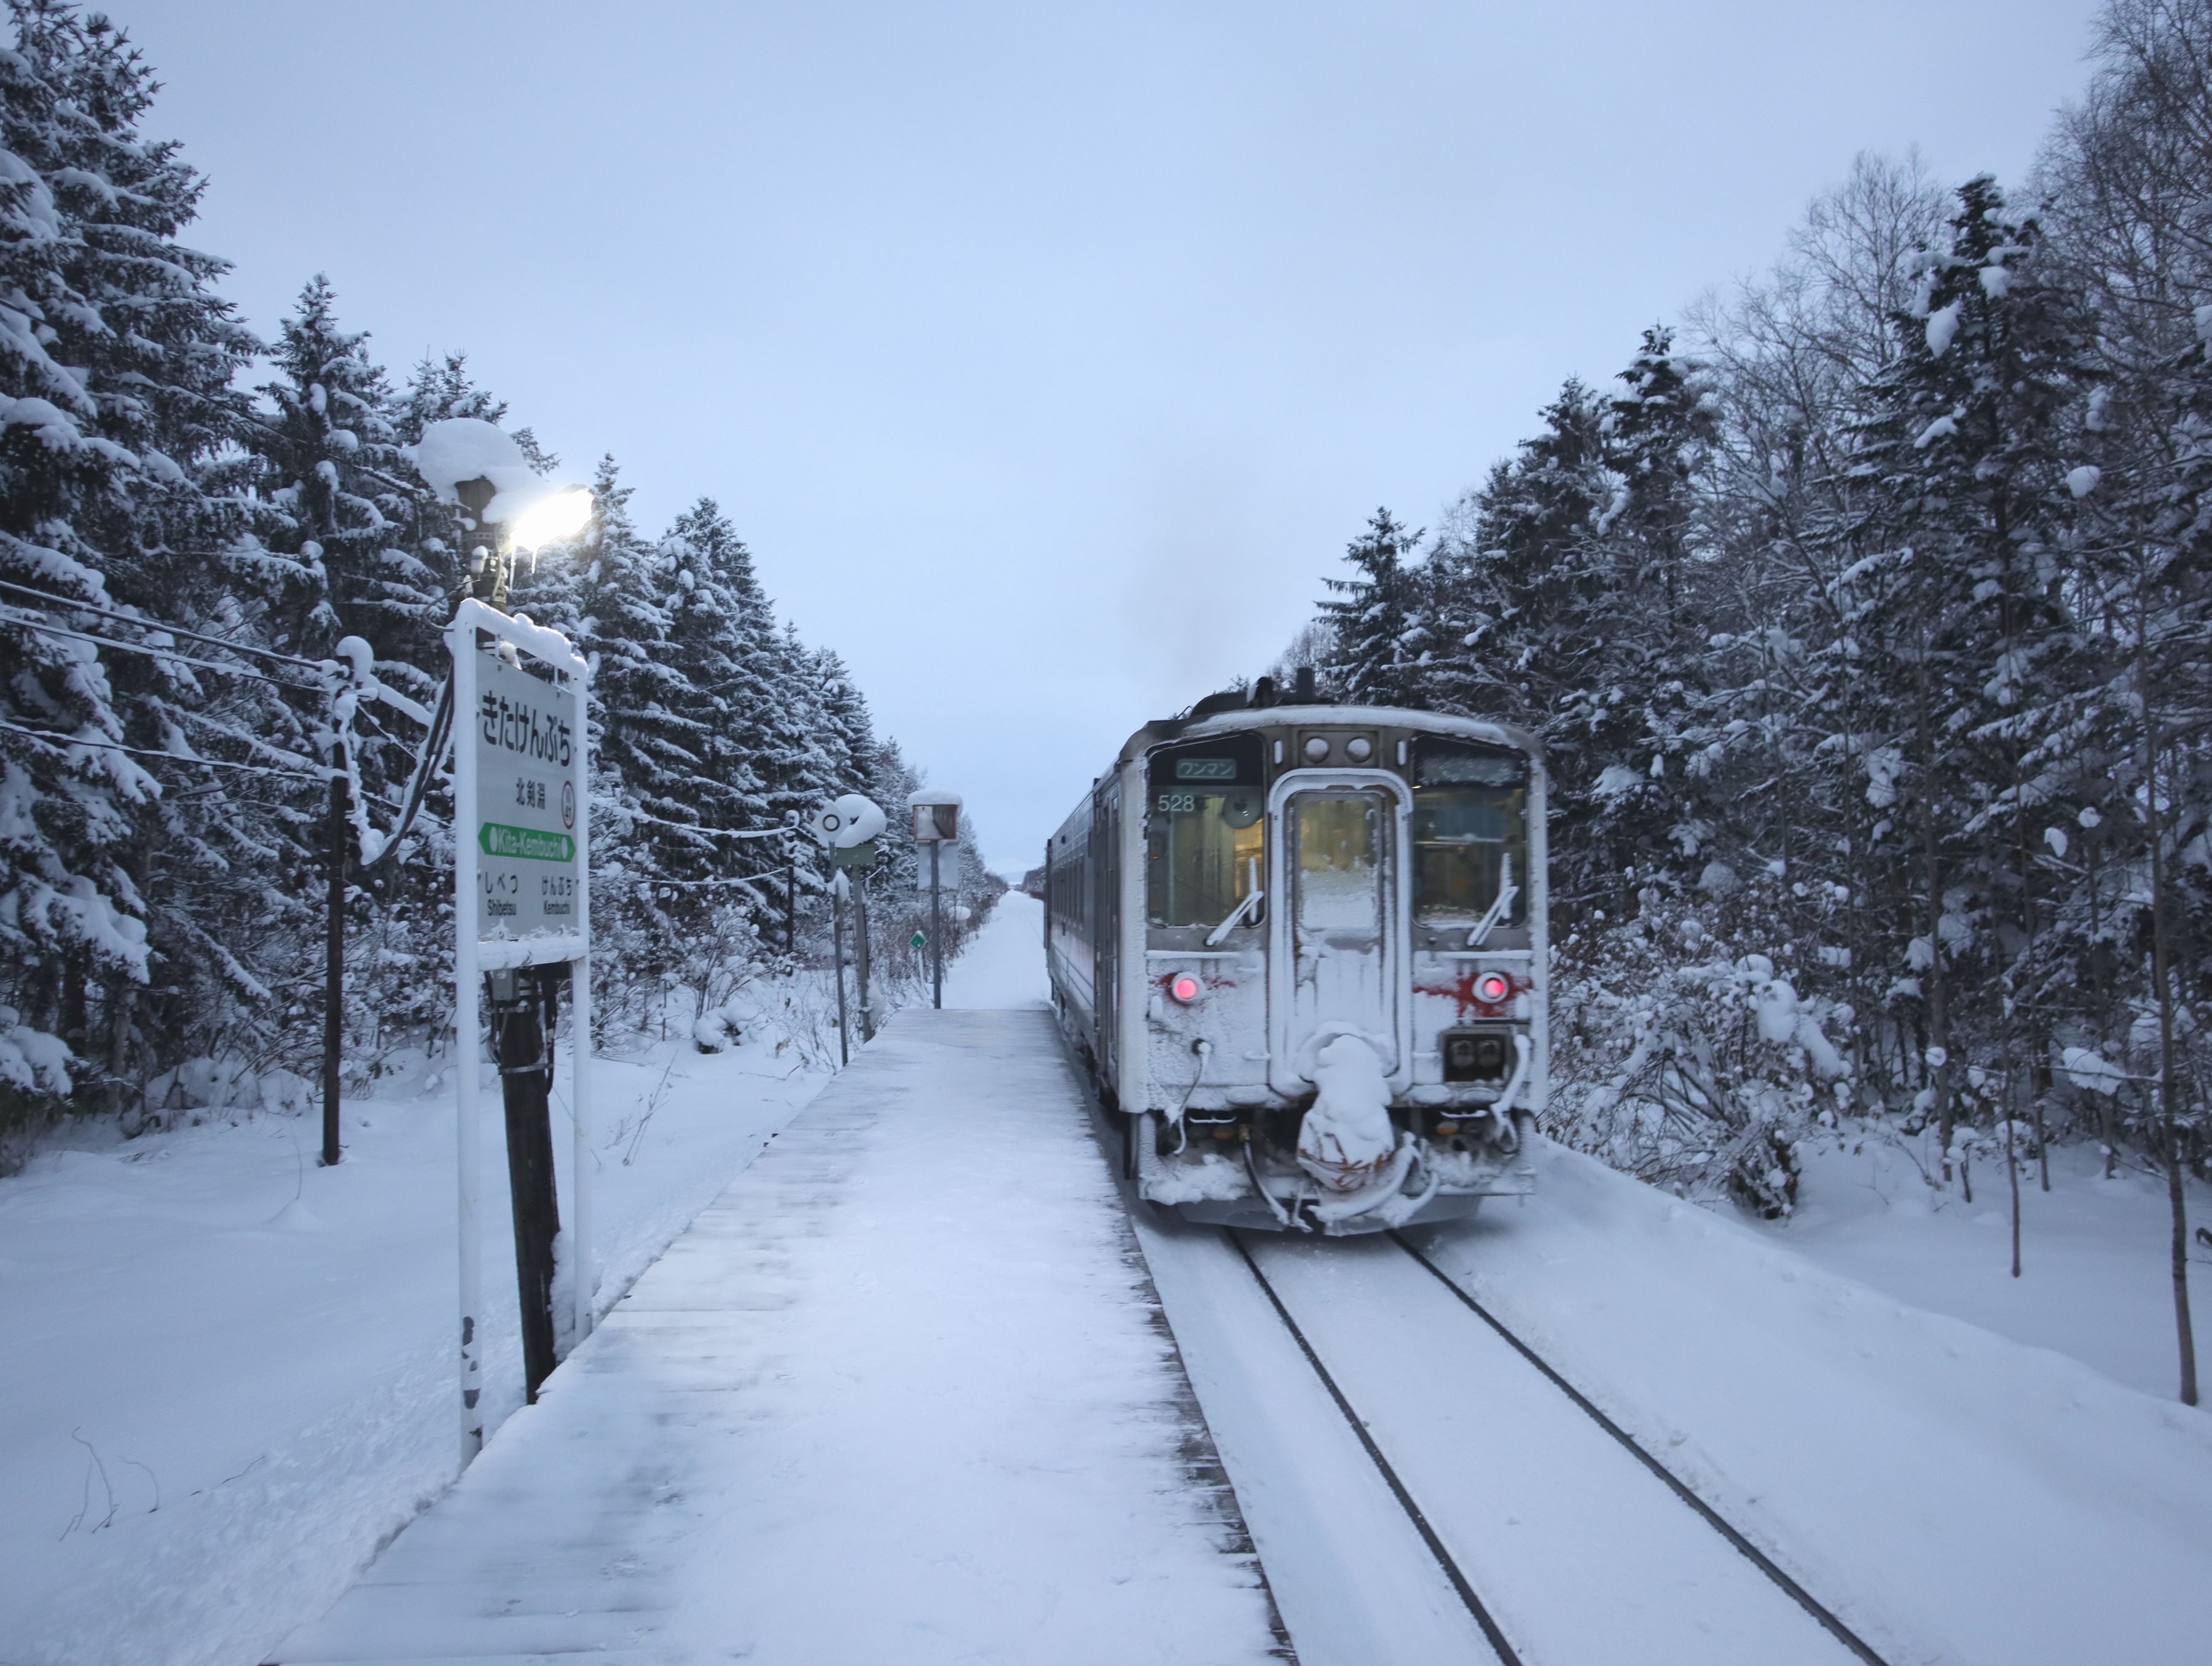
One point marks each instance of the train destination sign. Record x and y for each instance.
(527, 762)
(1206, 769)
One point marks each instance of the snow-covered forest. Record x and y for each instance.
(1866, 620)
(190, 520)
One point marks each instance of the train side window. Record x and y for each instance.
(1470, 832)
(1205, 830)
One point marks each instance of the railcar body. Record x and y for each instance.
(1270, 928)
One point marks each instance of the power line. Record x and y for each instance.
(59, 740)
(28, 623)
(747, 883)
(163, 624)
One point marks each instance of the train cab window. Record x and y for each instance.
(1338, 850)
(1205, 831)
(1470, 833)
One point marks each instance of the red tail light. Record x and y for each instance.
(1185, 989)
(1493, 986)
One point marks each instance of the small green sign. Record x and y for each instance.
(499, 839)
(854, 856)
(918, 940)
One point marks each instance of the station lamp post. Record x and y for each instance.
(523, 1000)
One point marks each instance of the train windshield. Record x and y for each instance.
(1470, 834)
(1205, 831)
(1339, 861)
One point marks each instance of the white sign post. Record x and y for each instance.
(522, 898)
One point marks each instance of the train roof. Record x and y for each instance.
(1233, 719)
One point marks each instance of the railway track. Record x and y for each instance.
(1566, 1539)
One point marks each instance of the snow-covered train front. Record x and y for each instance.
(1300, 948)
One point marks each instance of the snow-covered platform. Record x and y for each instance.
(902, 1392)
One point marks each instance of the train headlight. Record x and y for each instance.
(1317, 748)
(1186, 989)
(1492, 987)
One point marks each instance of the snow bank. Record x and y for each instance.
(1956, 1496)
(228, 1372)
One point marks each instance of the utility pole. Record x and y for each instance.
(837, 889)
(860, 956)
(791, 884)
(936, 925)
(334, 948)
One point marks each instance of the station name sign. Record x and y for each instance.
(528, 879)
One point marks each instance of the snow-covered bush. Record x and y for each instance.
(1687, 1058)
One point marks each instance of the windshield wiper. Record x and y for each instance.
(1250, 906)
(1507, 891)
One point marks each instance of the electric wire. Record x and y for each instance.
(18, 618)
(418, 784)
(161, 625)
(59, 742)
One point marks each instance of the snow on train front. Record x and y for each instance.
(1301, 949)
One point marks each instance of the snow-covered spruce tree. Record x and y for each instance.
(337, 490)
(1795, 357)
(1647, 723)
(722, 641)
(609, 590)
(1510, 576)
(122, 880)
(1567, 595)
(1372, 662)
(1963, 455)
(340, 494)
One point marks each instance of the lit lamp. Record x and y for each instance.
(469, 461)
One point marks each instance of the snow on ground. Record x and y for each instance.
(228, 1373)
(1004, 966)
(901, 1394)
(2096, 1278)
(1954, 1495)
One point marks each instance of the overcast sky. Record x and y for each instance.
(1048, 355)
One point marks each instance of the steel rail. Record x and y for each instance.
(1758, 1559)
(1506, 1654)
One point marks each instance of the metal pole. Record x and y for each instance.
(468, 1166)
(860, 956)
(334, 957)
(520, 997)
(936, 929)
(583, 1274)
(791, 895)
(837, 958)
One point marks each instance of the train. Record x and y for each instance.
(1300, 949)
